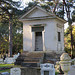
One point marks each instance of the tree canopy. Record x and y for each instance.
(59, 7)
(9, 21)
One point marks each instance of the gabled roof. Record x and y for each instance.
(49, 15)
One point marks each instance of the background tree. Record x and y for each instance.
(7, 12)
(68, 41)
(60, 8)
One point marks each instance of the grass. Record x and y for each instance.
(56, 73)
(12, 65)
(6, 65)
(7, 70)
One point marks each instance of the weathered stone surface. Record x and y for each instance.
(72, 70)
(5, 73)
(9, 60)
(65, 63)
(30, 59)
(31, 64)
(30, 71)
(65, 57)
(1, 61)
(47, 69)
(15, 71)
(36, 58)
(39, 18)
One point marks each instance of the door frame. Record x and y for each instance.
(33, 38)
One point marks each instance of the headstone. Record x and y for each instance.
(1, 61)
(9, 60)
(5, 73)
(15, 71)
(47, 69)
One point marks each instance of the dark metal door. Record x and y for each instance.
(38, 41)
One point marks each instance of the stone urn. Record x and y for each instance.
(65, 63)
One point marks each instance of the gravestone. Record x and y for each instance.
(9, 60)
(15, 71)
(47, 69)
(5, 73)
(1, 60)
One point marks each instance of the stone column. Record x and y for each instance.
(65, 63)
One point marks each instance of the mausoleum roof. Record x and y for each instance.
(46, 14)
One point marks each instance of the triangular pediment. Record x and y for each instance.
(36, 12)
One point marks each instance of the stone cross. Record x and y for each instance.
(15, 71)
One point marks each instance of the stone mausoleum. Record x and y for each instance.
(42, 31)
(43, 36)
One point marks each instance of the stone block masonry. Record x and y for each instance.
(30, 71)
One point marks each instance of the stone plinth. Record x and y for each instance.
(30, 71)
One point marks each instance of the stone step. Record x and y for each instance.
(37, 57)
(29, 57)
(31, 60)
(52, 55)
(32, 54)
(29, 64)
(18, 62)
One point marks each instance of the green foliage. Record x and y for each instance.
(17, 36)
(68, 50)
(60, 10)
(8, 11)
(56, 73)
(6, 65)
(3, 36)
(68, 40)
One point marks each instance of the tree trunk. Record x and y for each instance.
(10, 36)
(71, 43)
(68, 16)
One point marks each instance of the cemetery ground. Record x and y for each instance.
(12, 68)
(9, 66)
(6, 67)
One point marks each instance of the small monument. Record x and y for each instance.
(15, 71)
(47, 69)
(1, 60)
(9, 60)
(5, 73)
